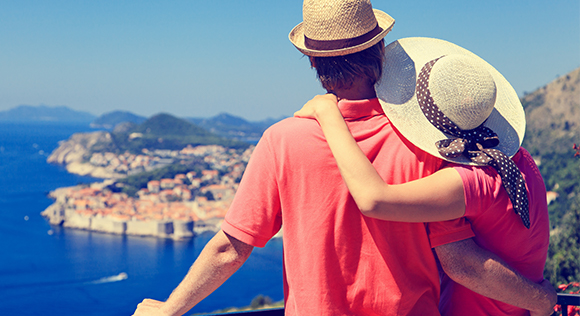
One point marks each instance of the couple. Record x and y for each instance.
(405, 204)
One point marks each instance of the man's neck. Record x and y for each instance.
(358, 91)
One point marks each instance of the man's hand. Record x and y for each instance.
(219, 259)
(149, 307)
(553, 297)
(485, 273)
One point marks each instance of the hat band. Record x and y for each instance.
(341, 43)
(474, 144)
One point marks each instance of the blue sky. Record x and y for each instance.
(201, 58)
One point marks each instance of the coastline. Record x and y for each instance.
(60, 267)
(180, 207)
(59, 215)
(63, 213)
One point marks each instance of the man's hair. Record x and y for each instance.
(339, 72)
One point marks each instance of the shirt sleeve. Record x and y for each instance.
(254, 216)
(441, 233)
(479, 188)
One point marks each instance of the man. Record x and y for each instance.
(336, 261)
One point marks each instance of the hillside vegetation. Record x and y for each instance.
(162, 131)
(553, 127)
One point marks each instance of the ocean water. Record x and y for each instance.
(47, 270)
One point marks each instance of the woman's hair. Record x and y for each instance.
(339, 72)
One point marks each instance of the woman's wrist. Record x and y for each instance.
(327, 110)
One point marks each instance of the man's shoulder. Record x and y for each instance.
(292, 127)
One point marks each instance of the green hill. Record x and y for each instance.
(111, 119)
(163, 131)
(167, 125)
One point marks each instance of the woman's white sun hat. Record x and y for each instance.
(339, 27)
(467, 89)
(452, 104)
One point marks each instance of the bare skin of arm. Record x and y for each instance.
(437, 197)
(434, 198)
(220, 258)
(485, 273)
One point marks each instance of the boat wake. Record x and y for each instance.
(114, 278)
(64, 283)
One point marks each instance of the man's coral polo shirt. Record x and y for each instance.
(336, 261)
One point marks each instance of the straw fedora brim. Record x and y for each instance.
(384, 21)
(404, 59)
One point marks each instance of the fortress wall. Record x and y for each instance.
(208, 225)
(108, 225)
(164, 228)
(67, 217)
(182, 229)
(142, 228)
(78, 221)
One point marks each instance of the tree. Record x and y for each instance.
(260, 301)
(563, 264)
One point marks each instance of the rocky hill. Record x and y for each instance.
(162, 131)
(553, 116)
(553, 126)
(74, 152)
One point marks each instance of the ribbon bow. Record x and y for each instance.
(475, 144)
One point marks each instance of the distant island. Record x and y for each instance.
(43, 113)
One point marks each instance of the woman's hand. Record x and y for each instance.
(318, 106)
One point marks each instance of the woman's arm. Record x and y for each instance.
(434, 198)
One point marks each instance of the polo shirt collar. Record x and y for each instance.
(356, 109)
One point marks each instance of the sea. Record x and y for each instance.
(49, 270)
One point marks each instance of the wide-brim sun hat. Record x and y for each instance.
(450, 83)
(339, 27)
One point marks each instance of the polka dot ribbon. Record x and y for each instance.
(474, 144)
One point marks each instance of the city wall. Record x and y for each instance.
(175, 229)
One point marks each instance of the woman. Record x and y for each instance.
(453, 105)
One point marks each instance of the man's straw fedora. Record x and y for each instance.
(453, 81)
(339, 27)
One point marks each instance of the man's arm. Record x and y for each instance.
(220, 258)
(485, 273)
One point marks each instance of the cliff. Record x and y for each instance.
(75, 152)
(160, 133)
(553, 116)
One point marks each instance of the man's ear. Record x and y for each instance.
(312, 63)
